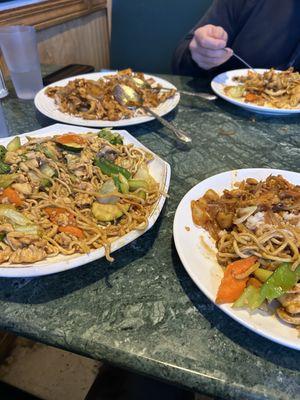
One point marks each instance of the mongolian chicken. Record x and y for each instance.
(71, 194)
(269, 89)
(95, 100)
(256, 227)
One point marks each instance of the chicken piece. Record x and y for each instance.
(31, 154)
(84, 172)
(37, 155)
(86, 186)
(83, 200)
(289, 318)
(29, 254)
(23, 167)
(65, 201)
(275, 93)
(5, 228)
(24, 188)
(18, 240)
(5, 252)
(63, 239)
(75, 161)
(86, 157)
(295, 100)
(291, 300)
(22, 178)
(295, 289)
(37, 140)
(33, 163)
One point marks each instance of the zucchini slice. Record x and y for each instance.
(7, 180)
(108, 212)
(14, 144)
(71, 146)
(135, 184)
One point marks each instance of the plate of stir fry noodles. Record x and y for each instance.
(91, 100)
(238, 236)
(263, 91)
(69, 196)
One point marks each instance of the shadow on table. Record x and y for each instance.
(255, 344)
(137, 131)
(238, 112)
(47, 288)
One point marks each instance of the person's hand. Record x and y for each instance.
(208, 46)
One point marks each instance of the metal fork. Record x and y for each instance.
(243, 61)
(202, 95)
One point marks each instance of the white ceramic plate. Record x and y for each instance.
(197, 252)
(159, 169)
(47, 106)
(225, 79)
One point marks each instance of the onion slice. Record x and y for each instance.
(243, 214)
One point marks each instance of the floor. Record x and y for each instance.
(47, 372)
(35, 371)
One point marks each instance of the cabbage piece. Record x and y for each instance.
(107, 188)
(235, 91)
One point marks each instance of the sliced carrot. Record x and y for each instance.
(230, 288)
(242, 265)
(54, 211)
(70, 138)
(12, 195)
(72, 230)
(251, 97)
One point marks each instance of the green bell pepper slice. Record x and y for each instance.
(111, 169)
(4, 168)
(282, 280)
(135, 184)
(3, 151)
(112, 137)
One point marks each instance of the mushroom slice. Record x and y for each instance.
(291, 302)
(290, 319)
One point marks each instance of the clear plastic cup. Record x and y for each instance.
(3, 127)
(19, 47)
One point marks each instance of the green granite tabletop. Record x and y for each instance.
(143, 312)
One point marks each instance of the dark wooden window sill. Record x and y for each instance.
(49, 13)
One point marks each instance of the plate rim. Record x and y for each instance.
(248, 106)
(73, 120)
(30, 271)
(223, 307)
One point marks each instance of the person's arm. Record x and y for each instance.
(224, 13)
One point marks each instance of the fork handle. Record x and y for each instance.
(178, 132)
(206, 96)
(202, 95)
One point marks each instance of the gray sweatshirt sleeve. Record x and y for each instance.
(224, 13)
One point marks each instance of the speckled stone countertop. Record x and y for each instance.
(143, 312)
